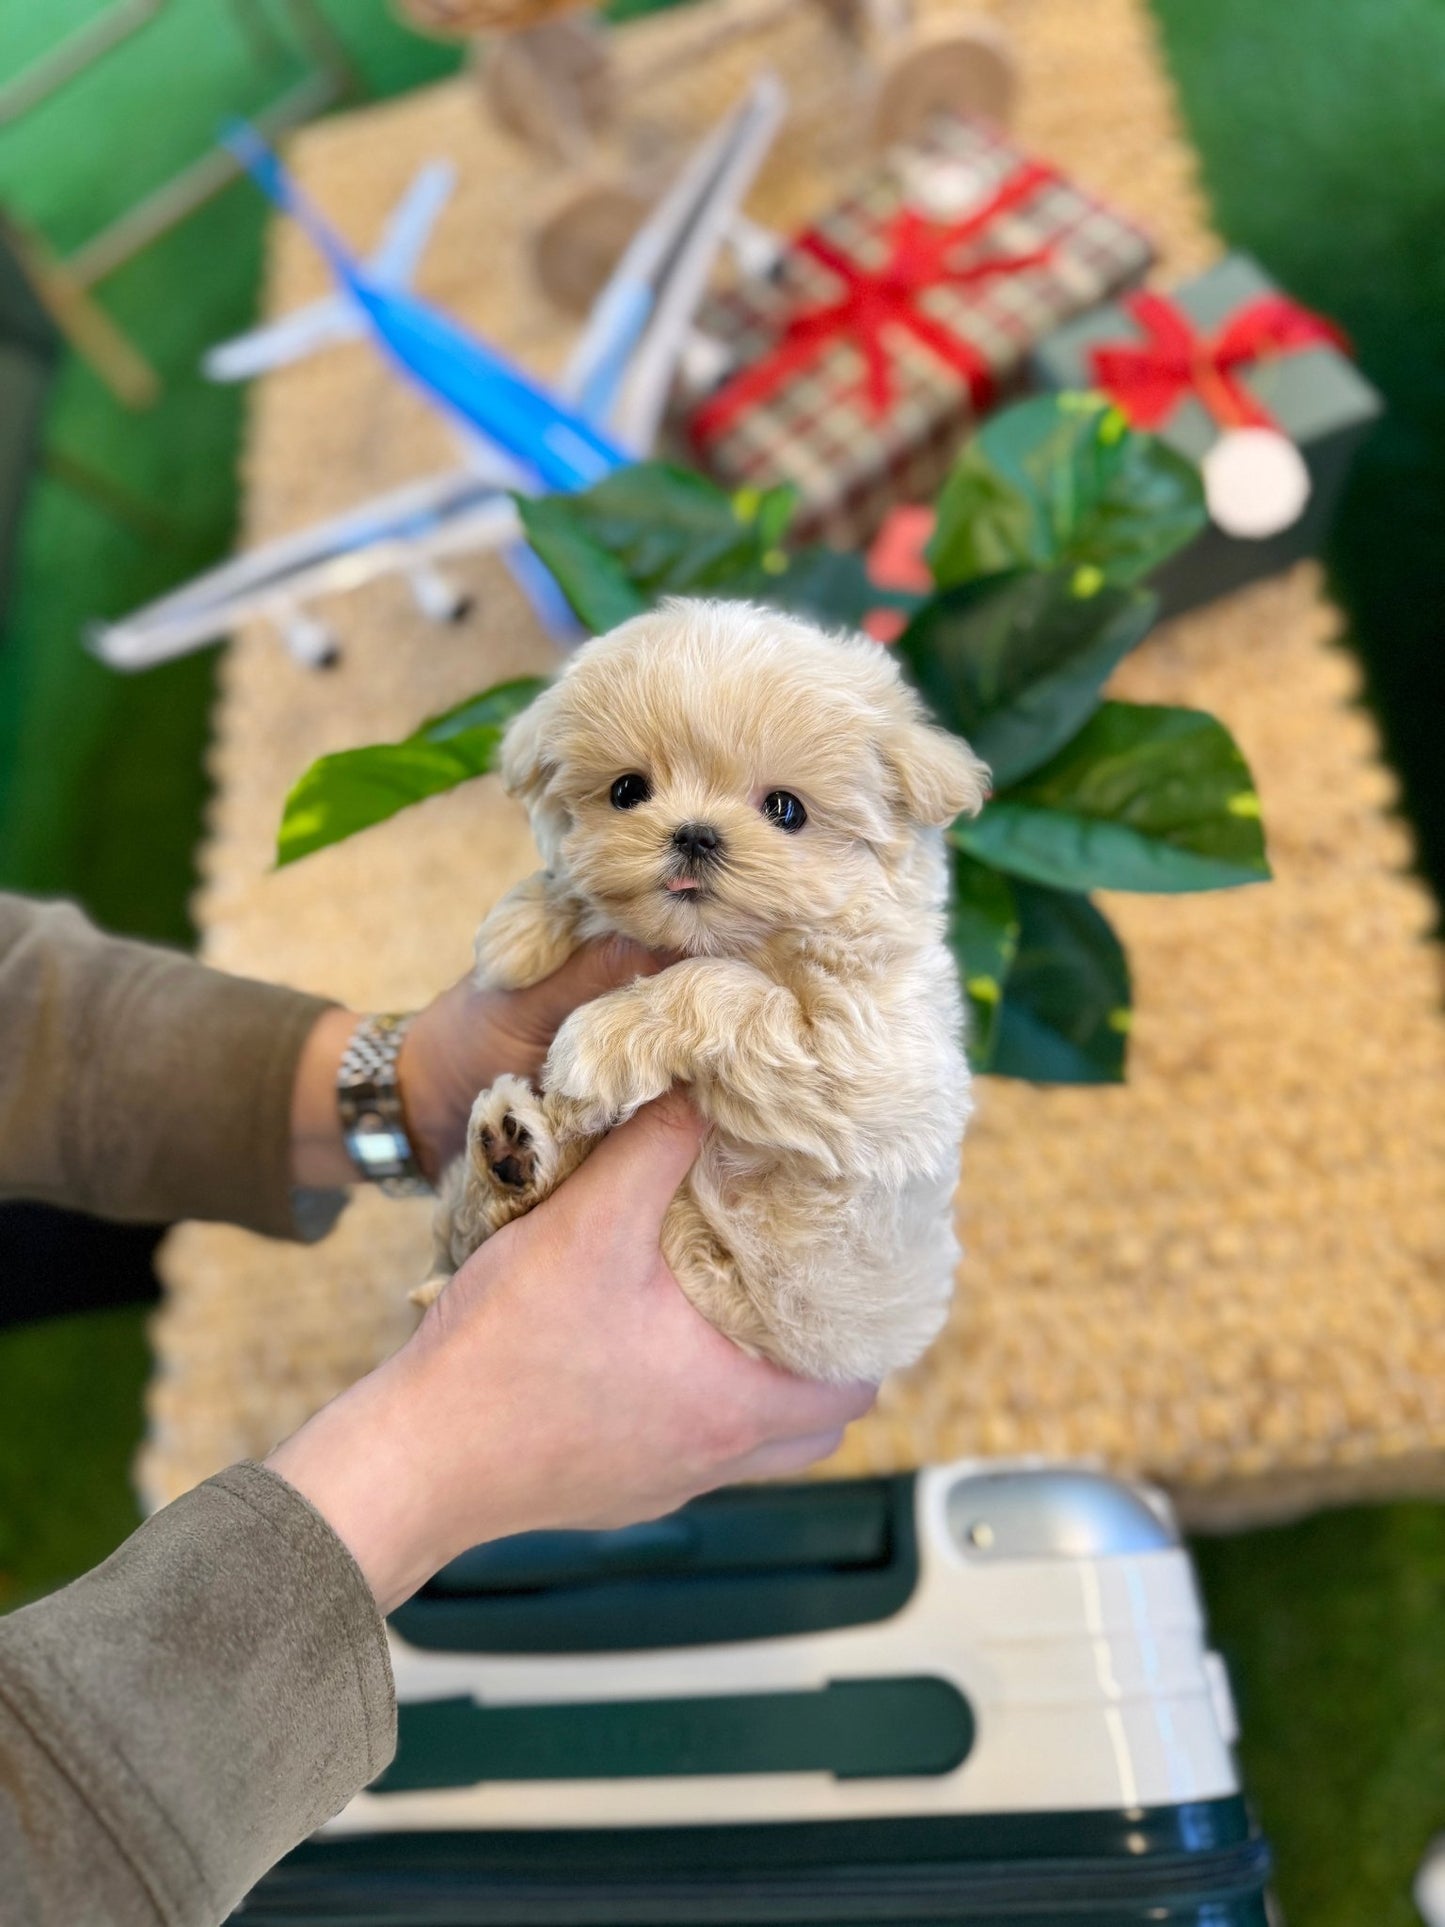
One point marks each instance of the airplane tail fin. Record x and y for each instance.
(336, 317)
(276, 184)
(409, 228)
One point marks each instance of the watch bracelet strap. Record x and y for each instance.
(368, 1102)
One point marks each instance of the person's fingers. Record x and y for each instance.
(591, 972)
(787, 1456)
(789, 1407)
(636, 1169)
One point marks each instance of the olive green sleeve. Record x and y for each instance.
(178, 1719)
(136, 1083)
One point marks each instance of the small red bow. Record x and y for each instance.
(1149, 379)
(874, 301)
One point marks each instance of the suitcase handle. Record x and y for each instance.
(853, 1729)
(754, 1562)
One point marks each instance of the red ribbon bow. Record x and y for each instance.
(877, 300)
(1149, 379)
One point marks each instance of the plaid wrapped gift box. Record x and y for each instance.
(856, 368)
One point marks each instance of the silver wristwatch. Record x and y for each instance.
(368, 1099)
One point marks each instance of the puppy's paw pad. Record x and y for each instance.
(508, 1150)
(509, 1137)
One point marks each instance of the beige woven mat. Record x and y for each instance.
(1230, 1274)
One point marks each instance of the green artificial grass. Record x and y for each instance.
(1334, 1630)
(1318, 128)
(70, 1390)
(101, 775)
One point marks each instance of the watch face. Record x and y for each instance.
(374, 1147)
(373, 1142)
(370, 1108)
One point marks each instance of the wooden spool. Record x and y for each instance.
(966, 70)
(552, 86)
(578, 246)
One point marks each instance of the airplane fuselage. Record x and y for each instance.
(488, 393)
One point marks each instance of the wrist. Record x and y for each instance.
(319, 1159)
(364, 1464)
(374, 1124)
(380, 1078)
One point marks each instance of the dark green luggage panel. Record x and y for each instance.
(1198, 1865)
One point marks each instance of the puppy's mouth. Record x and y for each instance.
(687, 882)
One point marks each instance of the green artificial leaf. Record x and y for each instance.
(653, 530)
(983, 933)
(592, 579)
(829, 586)
(1143, 798)
(1066, 1005)
(355, 788)
(1015, 663)
(1064, 482)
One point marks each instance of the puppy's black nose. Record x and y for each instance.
(697, 841)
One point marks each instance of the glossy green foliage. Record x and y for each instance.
(1062, 482)
(351, 790)
(1052, 516)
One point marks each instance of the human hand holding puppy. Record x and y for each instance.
(563, 1380)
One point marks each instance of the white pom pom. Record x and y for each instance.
(1255, 482)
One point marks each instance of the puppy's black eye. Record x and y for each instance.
(784, 809)
(629, 791)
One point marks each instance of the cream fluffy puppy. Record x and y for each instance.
(731, 784)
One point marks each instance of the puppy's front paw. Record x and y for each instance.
(600, 1070)
(530, 933)
(429, 1290)
(506, 958)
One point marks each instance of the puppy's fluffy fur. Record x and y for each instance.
(816, 1016)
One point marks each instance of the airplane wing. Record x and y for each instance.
(403, 241)
(404, 532)
(683, 274)
(624, 362)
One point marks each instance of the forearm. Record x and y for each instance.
(178, 1719)
(139, 1084)
(319, 1159)
(364, 1463)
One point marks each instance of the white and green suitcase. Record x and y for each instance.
(978, 1694)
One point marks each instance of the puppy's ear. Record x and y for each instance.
(526, 762)
(938, 775)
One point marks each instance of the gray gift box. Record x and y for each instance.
(1316, 395)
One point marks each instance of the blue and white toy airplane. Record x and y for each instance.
(514, 432)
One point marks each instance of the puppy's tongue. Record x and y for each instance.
(677, 884)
